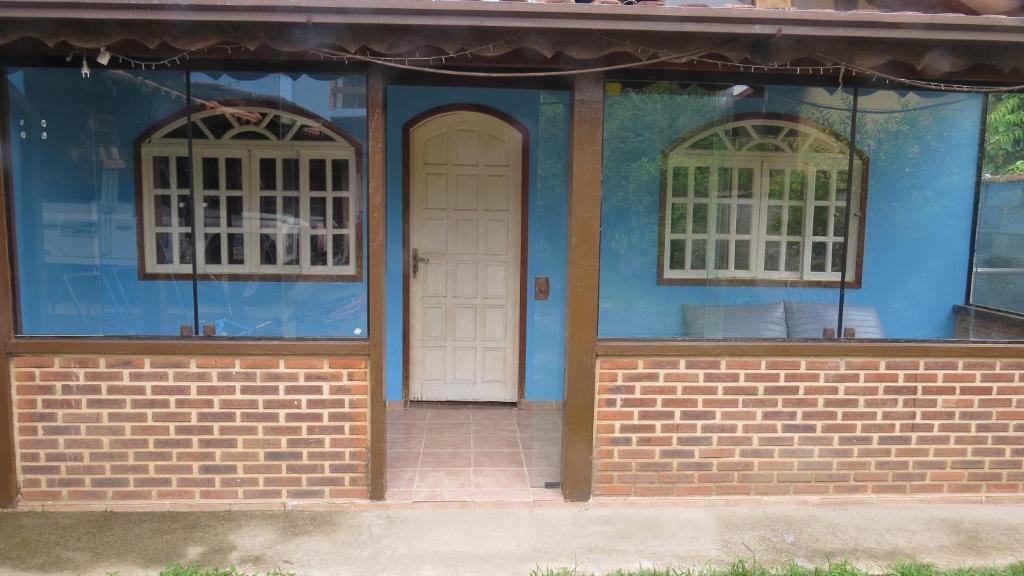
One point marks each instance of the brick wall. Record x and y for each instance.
(185, 429)
(785, 426)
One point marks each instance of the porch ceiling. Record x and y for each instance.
(920, 45)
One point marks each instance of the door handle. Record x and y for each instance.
(416, 261)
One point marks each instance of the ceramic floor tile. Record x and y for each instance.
(497, 459)
(445, 427)
(495, 427)
(446, 459)
(407, 415)
(447, 442)
(499, 479)
(493, 415)
(490, 442)
(540, 476)
(546, 494)
(401, 479)
(449, 415)
(539, 427)
(398, 459)
(405, 441)
(539, 415)
(542, 458)
(446, 495)
(406, 428)
(541, 442)
(444, 479)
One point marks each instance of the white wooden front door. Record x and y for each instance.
(465, 191)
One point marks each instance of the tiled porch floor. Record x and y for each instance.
(473, 453)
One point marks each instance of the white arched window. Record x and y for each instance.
(277, 188)
(760, 200)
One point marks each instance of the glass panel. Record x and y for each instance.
(731, 266)
(318, 175)
(795, 223)
(163, 210)
(211, 174)
(677, 254)
(700, 219)
(235, 212)
(680, 181)
(837, 256)
(841, 185)
(213, 248)
(318, 250)
(268, 174)
(185, 248)
(161, 172)
(236, 249)
(774, 224)
(820, 223)
(797, 185)
(744, 219)
(211, 211)
(340, 250)
(318, 213)
(838, 221)
(819, 251)
(183, 172)
(290, 208)
(340, 215)
(701, 181)
(184, 210)
(268, 249)
(233, 173)
(291, 249)
(772, 255)
(339, 175)
(776, 184)
(164, 249)
(268, 211)
(290, 174)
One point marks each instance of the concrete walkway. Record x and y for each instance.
(511, 540)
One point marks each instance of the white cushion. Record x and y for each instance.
(810, 320)
(734, 320)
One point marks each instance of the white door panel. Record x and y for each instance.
(465, 186)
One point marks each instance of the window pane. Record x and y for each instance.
(290, 174)
(772, 255)
(164, 249)
(820, 224)
(700, 219)
(185, 248)
(721, 255)
(797, 185)
(291, 249)
(318, 175)
(184, 210)
(822, 185)
(837, 256)
(724, 182)
(680, 181)
(744, 219)
(699, 259)
(819, 251)
(838, 221)
(161, 172)
(774, 224)
(795, 223)
(318, 250)
(841, 185)
(318, 213)
(163, 209)
(794, 259)
(268, 211)
(340, 249)
(212, 250)
(340, 215)
(339, 175)
(742, 255)
(233, 173)
(211, 211)
(211, 174)
(701, 181)
(235, 212)
(183, 172)
(776, 184)
(745, 185)
(268, 174)
(268, 249)
(677, 254)
(723, 212)
(290, 208)
(236, 249)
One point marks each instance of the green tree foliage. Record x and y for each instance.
(1004, 135)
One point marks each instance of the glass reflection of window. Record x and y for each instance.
(276, 192)
(759, 199)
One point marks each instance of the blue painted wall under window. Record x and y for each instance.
(923, 151)
(75, 213)
(545, 115)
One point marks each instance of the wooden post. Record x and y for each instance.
(377, 290)
(8, 472)
(583, 276)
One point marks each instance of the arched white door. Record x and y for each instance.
(465, 192)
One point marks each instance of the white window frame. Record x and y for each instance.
(797, 145)
(330, 148)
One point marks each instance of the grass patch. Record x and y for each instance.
(743, 568)
(197, 570)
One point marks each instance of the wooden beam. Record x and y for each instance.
(8, 472)
(377, 229)
(583, 276)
